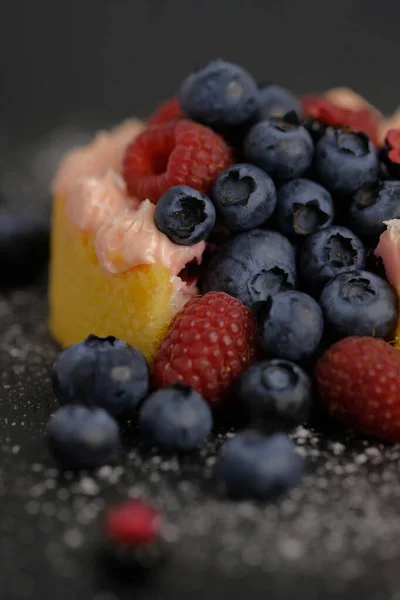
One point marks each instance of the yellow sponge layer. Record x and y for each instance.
(133, 306)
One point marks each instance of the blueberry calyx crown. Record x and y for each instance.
(357, 289)
(308, 217)
(368, 195)
(191, 213)
(291, 117)
(288, 122)
(340, 251)
(273, 280)
(94, 340)
(352, 142)
(235, 189)
(181, 387)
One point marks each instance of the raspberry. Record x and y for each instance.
(322, 109)
(359, 380)
(170, 110)
(390, 155)
(391, 152)
(132, 523)
(210, 342)
(393, 142)
(174, 153)
(319, 107)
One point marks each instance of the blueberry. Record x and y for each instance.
(303, 207)
(276, 392)
(101, 372)
(251, 266)
(373, 205)
(220, 94)
(82, 437)
(282, 147)
(290, 325)
(359, 303)
(345, 161)
(175, 418)
(329, 252)
(244, 196)
(24, 248)
(276, 101)
(254, 466)
(186, 216)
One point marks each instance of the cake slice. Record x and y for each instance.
(112, 271)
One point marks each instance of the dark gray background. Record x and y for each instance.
(102, 59)
(66, 68)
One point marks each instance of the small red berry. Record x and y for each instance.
(393, 139)
(210, 342)
(319, 107)
(175, 153)
(170, 110)
(391, 152)
(358, 378)
(132, 523)
(322, 109)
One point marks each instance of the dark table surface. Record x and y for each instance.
(66, 69)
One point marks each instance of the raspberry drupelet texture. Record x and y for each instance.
(175, 153)
(210, 342)
(358, 379)
(170, 110)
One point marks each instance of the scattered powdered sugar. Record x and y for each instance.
(73, 538)
(340, 527)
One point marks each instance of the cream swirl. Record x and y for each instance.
(104, 152)
(131, 238)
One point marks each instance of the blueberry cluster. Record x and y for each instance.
(304, 206)
(304, 211)
(100, 379)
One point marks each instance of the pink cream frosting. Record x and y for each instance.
(125, 235)
(131, 238)
(181, 293)
(389, 251)
(346, 98)
(97, 198)
(105, 152)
